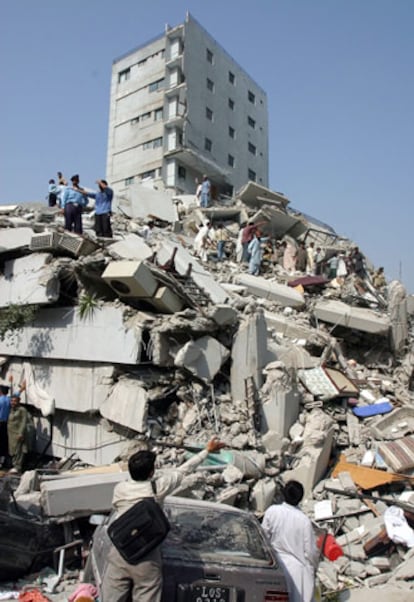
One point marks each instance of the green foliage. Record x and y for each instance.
(88, 303)
(15, 317)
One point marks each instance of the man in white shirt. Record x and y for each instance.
(290, 534)
(142, 582)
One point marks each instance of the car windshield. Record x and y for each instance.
(200, 532)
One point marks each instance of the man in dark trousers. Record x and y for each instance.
(103, 209)
(74, 199)
(142, 582)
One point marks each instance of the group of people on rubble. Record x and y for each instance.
(257, 250)
(16, 430)
(288, 530)
(73, 198)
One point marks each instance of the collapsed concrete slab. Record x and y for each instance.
(61, 333)
(358, 318)
(183, 260)
(30, 280)
(130, 247)
(139, 201)
(397, 303)
(73, 386)
(280, 405)
(249, 354)
(312, 460)
(80, 495)
(86, 436)
(127, 405)
(273, 291)
(203, 357)
(15, 238)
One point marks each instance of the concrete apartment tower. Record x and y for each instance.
(181, 107)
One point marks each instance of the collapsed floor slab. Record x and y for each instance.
(273, 291)
(30, 280)
(61, 333)
(358, 318)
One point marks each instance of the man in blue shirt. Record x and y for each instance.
(103, 209)
(73, 200)
(205, 192)
(4, 415)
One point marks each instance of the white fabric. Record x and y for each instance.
(36, 396)
(398, 530)
(290, 534)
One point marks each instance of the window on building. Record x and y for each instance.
(209, 56)
(145, 116)
(251, 175)
(208, 145)
(142, 63)
(157, 85)
(124, 75)
(252, 148)
(209, 114)
(251, 97)
(232, 132)
(251, 122)
(210, 85)
(232, 77)
(148, 174)
(158, 114)
(134, 120)
(181, 172)
(129, 181)
(230, 160)
(231, 103)
(157, 142)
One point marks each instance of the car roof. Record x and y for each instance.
(173, 500)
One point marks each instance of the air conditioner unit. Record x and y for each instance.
(165, 301)
(46, 241)
(77, 245)
(130, 279)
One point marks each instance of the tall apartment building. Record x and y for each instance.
(181, 107)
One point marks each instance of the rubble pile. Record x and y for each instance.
(136, 340)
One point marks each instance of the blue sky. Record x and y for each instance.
(339, 80)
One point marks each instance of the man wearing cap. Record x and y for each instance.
(73, 200)
(290, 534)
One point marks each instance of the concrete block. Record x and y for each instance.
(127, 405)
(130, 247)
(249, 354)
(228, 496)
(262, 495)
(165, 301)
(87, 436)
(223, 315)
(183, 259)
(279, 412)
(140, 201)
(73, 386)
(289, 328)
(358, 318)
(29, 280)
(273, 291)
(397, 306)
(80, 496)
(130, 279)
(14, 238)
(60, 333)
(203, 357)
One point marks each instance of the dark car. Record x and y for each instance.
(213, 553)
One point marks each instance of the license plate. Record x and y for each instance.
(209, 593)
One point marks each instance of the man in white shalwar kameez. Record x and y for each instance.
(290, 534)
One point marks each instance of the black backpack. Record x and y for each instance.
(139, 530)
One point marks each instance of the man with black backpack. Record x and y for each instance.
(142, 582)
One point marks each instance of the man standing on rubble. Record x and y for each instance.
(103, 209)
(290, 534)
(142, 582)
(73, 200)
(203, 192)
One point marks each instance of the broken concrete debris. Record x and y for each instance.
(135, 341)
